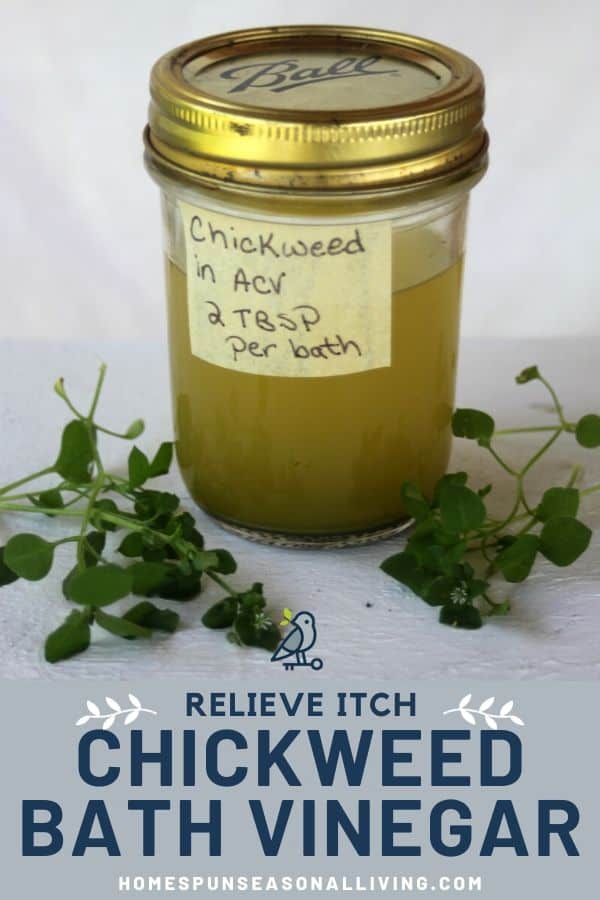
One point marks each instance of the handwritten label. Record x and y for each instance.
(289, 300)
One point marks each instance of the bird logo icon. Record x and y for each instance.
(297, 642)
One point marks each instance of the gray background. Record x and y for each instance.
(39, 761)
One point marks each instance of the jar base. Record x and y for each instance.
(314, 542)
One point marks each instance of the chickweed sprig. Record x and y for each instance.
(456, 547)
(164, 552)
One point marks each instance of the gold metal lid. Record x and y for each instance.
(317, 107)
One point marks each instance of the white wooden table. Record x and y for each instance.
(368, 624)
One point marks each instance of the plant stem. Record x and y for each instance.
(116, 434)
(85, 521)
(527, 526)
(15, 484)
(540, 452)
(67, 540)
(13, 497)
(59, 388)
(557, 405)
(221, 582)
(537, 428)
(522, 498)
(21, 507)
(591, 490)
(501, 462)
(71, 490)
(577, 470)
(490, 532)
(97, 392)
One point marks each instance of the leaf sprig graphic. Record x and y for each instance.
(484, 709)
(108, 719)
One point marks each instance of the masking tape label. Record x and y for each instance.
(286, 299)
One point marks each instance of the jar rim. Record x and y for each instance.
(417, 123)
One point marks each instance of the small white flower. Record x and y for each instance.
(459, 595)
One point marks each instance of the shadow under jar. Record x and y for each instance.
(314, 193)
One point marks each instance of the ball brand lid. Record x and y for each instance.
(317, 108)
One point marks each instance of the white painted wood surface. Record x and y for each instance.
(368, 624)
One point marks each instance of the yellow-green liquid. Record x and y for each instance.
(317, 456)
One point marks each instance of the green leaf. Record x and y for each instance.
(405, 568)
(161, 463)
(186, 523)
(145, 504)
(255, 631)
(466, 571)
(438, 552)
(99, 586)
(29, 556)
(146, 577)
(269, 637)
(414, 502)
(531, 373)
(427, 551)
(167, 503)
(516, 561)
(154, 504)
(93, 547)
(558, 501)
(178, 584)
(226, 564)
(563, 540)
(121, 627)
(204, 559)
(215, 560)
(459, 478)
(221, 614)
(423, 529)
(254, 598)
(150, 616)
(7, 576)
(138, 467)
(587, 431)
(453, 553)
(473, 425)
(132, 545)
(461, 616)
(50, 499)
(477, 587)
(461, 509)
(135, 429)
(439, 591)
(70, 638)
(68, 579)
(105, 506)
(76, 453)
(154, 553)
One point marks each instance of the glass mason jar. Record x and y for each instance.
(314, 186)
